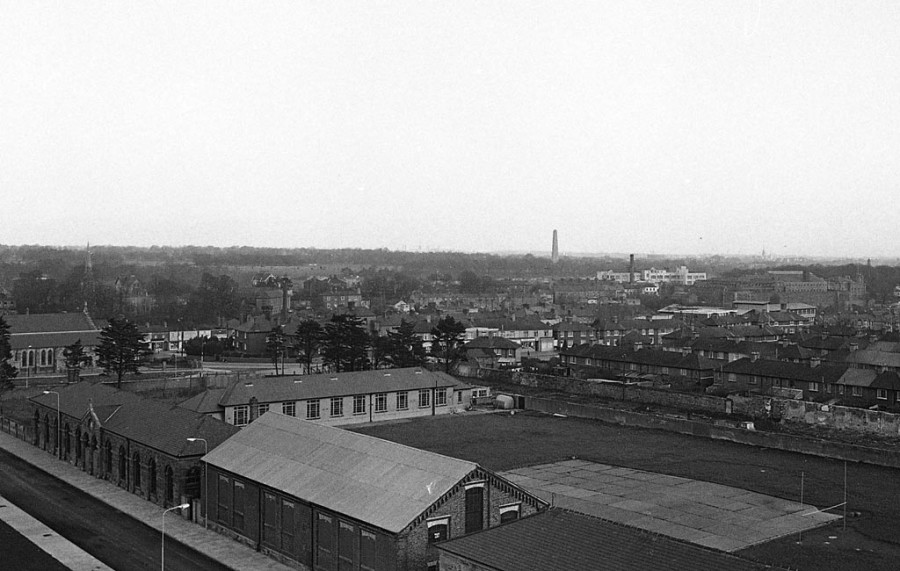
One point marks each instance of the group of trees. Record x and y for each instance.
(344, 344)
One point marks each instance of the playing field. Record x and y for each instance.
(504, 442)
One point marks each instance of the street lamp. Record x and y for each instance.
(58, 427)
(205, 485)
(162, 547)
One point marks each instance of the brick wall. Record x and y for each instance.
(497, 493)
(573, 385)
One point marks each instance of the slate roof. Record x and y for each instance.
(325, 385)
(51, 330)
(153, 423)
(827, 373)
(49, 323)
(206, 402)
(491, 343)
(560, 539)
(375, 481)
(886, 380)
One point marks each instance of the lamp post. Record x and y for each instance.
(58, 427)
(162, 545)
(205, 485)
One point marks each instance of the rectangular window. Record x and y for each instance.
(459, 397)
(359, 404)
(289, 408)
(754, 380)
(402, 400)
(856, 391)
(424, 398)
(263, 409)
(241, 413)
(440, 397)
(238, 506)
(337, 406)
(814, 387)
(732, 378)
(881, 394)
(381, 402)
(312, 409)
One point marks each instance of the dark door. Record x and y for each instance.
(474, 509)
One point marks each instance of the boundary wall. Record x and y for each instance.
(786, 442)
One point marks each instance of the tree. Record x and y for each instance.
(382, 350)
(7, 370)
(204, 346)
(75, 358)
(275, 346)
(448, 336)
(406, 348)
(308, 342)
(345, 345)
(122, 348)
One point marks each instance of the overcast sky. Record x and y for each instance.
(649, 127)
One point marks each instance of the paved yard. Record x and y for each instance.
(704, 513)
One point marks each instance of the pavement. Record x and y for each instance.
(224, 550)
(712, 515)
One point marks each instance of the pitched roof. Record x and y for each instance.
(827, 373)
(325, 385)
(382, 483)
(153, 423)
(491, 343)
(560, 539)
(51, 330)
(49, 323)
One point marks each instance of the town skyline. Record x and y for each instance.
(694, 127)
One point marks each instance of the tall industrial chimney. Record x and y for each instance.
(554, 256)
(631, 269)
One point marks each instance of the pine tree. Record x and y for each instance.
(7, 370)
(122, 348)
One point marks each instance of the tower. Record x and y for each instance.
(554, 256)
(88, 286)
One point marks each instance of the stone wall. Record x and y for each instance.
(818, 414)
(787, 442)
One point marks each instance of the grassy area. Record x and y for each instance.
(502, 442)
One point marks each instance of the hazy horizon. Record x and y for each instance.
(688, 126)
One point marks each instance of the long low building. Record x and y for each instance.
(337, 398)
(318, 497)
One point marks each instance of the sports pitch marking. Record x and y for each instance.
(713, 515)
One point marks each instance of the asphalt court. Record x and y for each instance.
(716, 516)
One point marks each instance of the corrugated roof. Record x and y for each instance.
(375, 481)
(559, 539)
(281, 389)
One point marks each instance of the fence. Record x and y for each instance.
(20, 431)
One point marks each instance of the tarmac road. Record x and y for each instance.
(111, 536)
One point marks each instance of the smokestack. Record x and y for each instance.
(631, 269)
(554, 256)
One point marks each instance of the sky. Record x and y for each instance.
(666, 127)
